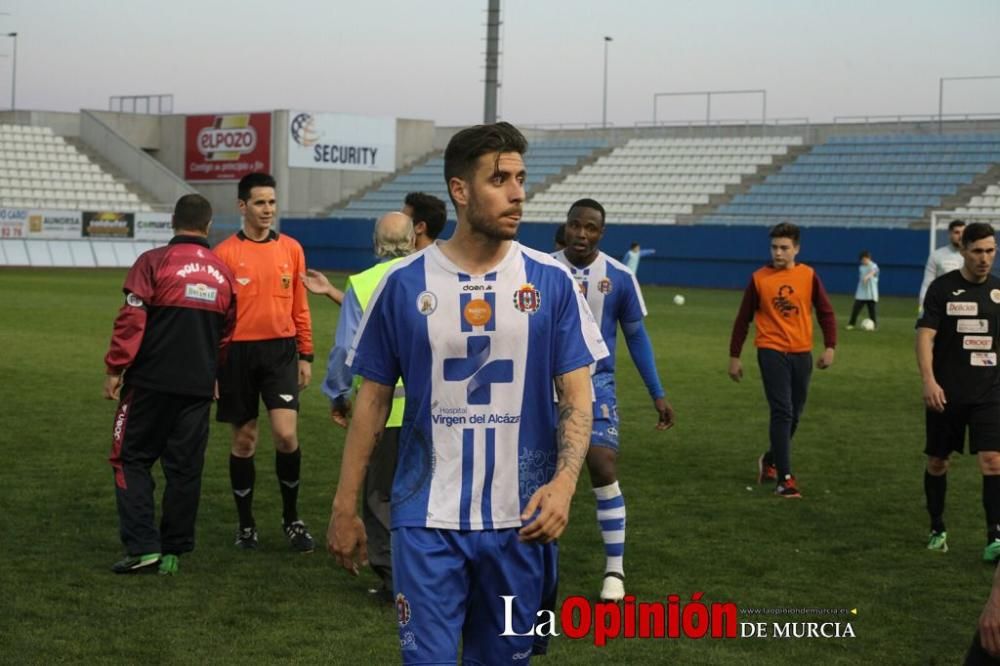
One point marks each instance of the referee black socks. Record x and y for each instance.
(287, 466)
(242, 475)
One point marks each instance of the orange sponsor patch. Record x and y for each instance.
(477, 312)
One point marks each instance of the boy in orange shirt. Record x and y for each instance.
(780, 299)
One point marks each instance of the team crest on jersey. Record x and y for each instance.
(995, 295)
(528, 299)
(604, 286)
(427, 303)
(286, 281)
(402, 610)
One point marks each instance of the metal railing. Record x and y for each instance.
(151, 104)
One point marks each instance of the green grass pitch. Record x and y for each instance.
(696, 520)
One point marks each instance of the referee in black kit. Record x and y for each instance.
(169, 336)
(957, 355)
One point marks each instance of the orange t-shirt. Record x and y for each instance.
(784, 311)
(780, 302)
(271, 300)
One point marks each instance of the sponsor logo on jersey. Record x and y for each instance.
(983, 359)
(604, 286)
(134, 300)
(243, 281)
(972, 326)
(528, 299)
(977, 342)
(427, 303)
(995, 295)
(201, 292)
(477, 312)
(958, 292)
(402, 610)
(963, 309)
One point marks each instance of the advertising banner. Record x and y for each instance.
(54, 224)
(153, 227)
(341, 141)
(108, 225)
(226, 146)
(13, 223)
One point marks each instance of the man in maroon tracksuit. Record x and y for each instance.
(176, 322)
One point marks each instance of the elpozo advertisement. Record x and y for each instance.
(341, 141)
(226, 146)
(108, 224)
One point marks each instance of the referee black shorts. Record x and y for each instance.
(255, 370)
(946, 430)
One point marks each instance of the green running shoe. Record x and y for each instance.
(136, 564)
(169, 565)
(938, 541)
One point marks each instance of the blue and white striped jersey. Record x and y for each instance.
(613, 294)
(478, 354)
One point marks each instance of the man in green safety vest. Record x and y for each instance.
(393, 239)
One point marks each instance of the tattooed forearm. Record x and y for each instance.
(575, 423)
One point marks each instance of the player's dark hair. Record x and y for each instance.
(955, 223)
(865, 254)
(252, 180)
(633, 245)
(428, 209)
(588, 203)
(466, 147)
(785, 230)
(561, 236)
(192, 212)
(976, 231)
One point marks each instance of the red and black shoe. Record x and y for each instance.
(788, 488)
(766, 472)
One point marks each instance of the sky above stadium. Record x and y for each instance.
(815, 58)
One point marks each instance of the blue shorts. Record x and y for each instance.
(605, 432)
(449, 586)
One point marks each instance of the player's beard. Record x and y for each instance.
(492, 229)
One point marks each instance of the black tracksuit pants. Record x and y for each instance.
(149, 426)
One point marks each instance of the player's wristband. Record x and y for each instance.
(308, 358)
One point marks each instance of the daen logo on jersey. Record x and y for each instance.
(963, 309)
(528, 299)
(478, 312)
(481, 372)
(200, 292)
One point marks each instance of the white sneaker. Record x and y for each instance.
(613, 588)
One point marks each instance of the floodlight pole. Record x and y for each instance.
(13, 75)
(604, 115)
(941, 93)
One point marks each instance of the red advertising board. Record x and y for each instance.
(226, 146)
